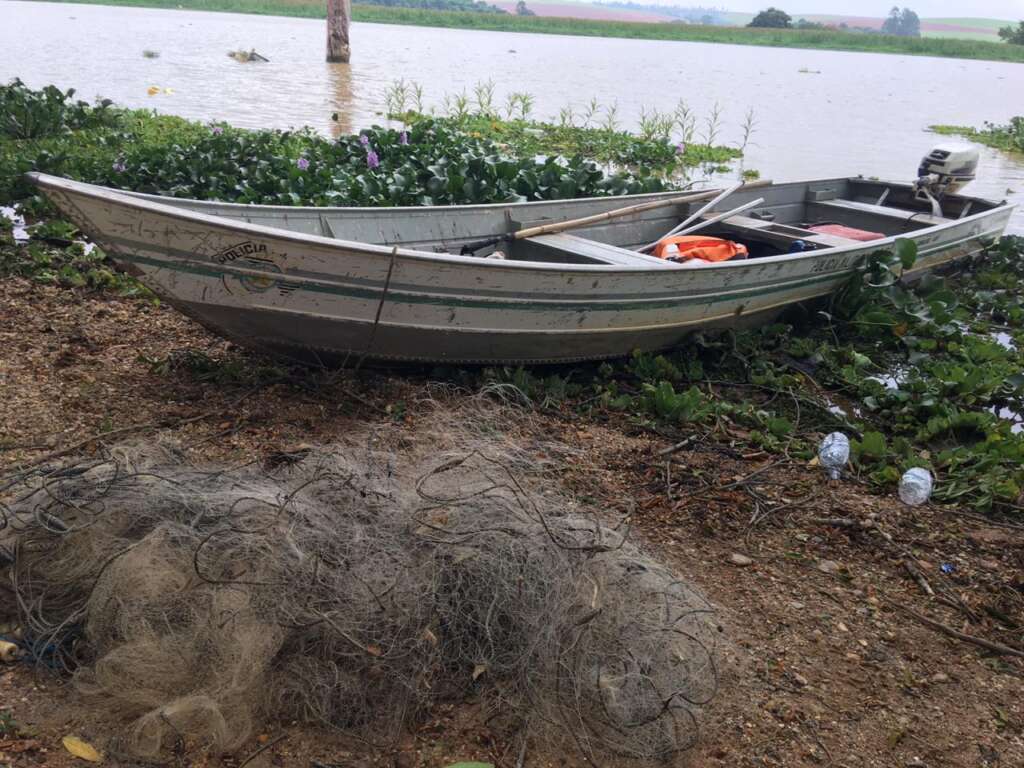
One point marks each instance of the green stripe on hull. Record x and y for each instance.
(453, 301)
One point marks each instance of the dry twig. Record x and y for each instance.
(989, 645)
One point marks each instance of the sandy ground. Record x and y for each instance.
(822, 587)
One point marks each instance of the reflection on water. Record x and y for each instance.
(864, 113)
(339, 78)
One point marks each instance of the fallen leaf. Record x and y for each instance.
(478, 670)
(81, 749)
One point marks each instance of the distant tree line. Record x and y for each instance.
(693, 14)
(439, 5)
(1011, 35)
(772, 18)
(902, 22)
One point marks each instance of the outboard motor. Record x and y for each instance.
(945, 170)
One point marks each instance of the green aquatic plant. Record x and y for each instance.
(431, 161)
(929, 375)
(663, 142)
(26, 113)
(1009, 137)
(662, 401)
(55, 254)
(925, 375)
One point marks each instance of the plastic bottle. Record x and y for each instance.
(916, 486)
(834, 453)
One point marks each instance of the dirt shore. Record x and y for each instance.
(840, 607)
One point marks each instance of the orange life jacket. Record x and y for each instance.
(699, 247)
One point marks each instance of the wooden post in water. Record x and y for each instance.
(338, 13)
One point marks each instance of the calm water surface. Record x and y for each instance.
(819, 113)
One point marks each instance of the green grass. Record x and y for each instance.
(979, 24)
(979, 36)
(785, 38)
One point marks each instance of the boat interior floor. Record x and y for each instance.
(819, 222)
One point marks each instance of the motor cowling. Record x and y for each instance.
(948, 168)
(945, 171)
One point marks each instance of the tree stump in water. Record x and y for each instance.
(338, 13)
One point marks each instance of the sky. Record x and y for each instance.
(999, 9)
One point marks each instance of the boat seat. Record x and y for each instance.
(916, 217)
(600, 252)
(781, 234)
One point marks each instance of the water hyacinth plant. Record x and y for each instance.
(932, 376)
(664, 143)
(431, 161)
(32, 114)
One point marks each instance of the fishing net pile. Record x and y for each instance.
(346, 588)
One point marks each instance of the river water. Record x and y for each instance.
(818, 113)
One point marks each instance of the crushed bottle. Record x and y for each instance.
(834, 453)
(916, 486)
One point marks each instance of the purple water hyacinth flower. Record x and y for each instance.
(372, 160)
(403, 138)
(217, 130)
(364, 139)
(680, 148)
(302, 164)
(119, 166)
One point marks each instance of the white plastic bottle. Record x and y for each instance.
(834, 453)
(916, 486)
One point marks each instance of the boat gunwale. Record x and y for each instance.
(491, 299)
(147, 203)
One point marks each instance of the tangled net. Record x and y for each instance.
(352, 591)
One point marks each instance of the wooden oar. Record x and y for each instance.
(721, 216)
(704, 209)
(562, 226)
(693, 217)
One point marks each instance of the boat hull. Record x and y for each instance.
(322, 299)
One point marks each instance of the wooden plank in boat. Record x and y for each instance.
(919, 217)
(783, 233)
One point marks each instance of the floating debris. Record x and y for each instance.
(247, 56)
